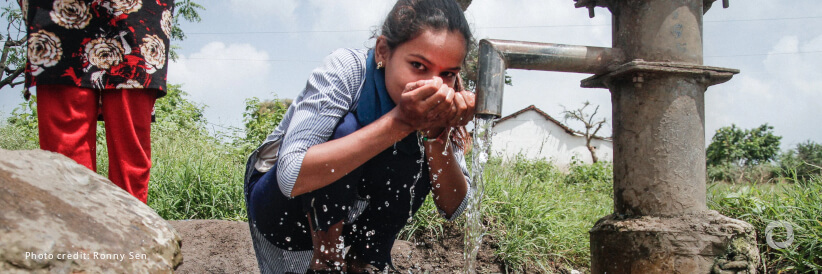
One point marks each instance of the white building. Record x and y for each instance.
(536, 135)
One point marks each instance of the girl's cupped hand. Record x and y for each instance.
(426, 104)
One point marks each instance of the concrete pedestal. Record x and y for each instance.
(706, 242)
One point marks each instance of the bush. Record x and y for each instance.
(598, 176)
(805, 160)
(732, 173)
(20, 129)
(540, 170)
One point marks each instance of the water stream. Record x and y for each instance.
(473, 217)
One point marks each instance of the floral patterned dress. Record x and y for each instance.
(99, 44)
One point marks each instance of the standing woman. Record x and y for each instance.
(356, 154)
(90, 57)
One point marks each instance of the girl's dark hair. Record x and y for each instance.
(409, 18)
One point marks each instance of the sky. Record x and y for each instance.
(267, 49)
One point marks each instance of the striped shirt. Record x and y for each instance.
(331, 92)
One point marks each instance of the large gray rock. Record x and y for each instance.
(57, 216)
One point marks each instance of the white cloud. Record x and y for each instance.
(361, 14)
(561, 22)
(220, 77)
(787, 94)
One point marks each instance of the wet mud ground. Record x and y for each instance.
(217, 246)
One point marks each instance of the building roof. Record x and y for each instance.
(549, 118)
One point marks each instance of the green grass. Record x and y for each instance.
(535, 214)
(195, 177)
(797, 202)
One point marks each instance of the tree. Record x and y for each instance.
(186, 9)
(13, 58)
(743, 147)
(592, 124)
(177, 112)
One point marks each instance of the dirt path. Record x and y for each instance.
(216, 246)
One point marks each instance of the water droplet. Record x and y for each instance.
(325, 208)
(288, 239)
(332, 170)
(386, 203)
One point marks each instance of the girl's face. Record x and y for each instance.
(432, 53)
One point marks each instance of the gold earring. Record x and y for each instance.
(379, 65)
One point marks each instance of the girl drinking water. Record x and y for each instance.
(356, 154)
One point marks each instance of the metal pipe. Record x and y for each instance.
(495, 56)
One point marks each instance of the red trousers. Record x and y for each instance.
(68, 125)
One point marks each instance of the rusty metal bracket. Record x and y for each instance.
(591, 4)
(706, 5)
(712, 75)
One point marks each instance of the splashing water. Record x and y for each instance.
(421, 161)
(473, 219)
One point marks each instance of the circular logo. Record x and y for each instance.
(788, 234)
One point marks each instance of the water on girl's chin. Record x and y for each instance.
(473, 221)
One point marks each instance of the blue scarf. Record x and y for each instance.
(374, 100)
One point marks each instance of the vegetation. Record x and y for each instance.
(535, 214)
(805, 160)
(261, 117)
(739, 155)
(743, 147)
(795, 201)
